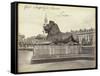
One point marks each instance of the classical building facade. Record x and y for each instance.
(85, 36)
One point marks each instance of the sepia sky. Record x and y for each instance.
(31, 18)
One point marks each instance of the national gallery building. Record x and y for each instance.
(85, 36)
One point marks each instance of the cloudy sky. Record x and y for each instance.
(31, 18)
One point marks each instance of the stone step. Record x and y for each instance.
(63, 58)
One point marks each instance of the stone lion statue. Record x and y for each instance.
(56, 36)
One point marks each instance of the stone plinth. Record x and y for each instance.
(54, 51)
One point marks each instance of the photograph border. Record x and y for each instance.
(14, 36)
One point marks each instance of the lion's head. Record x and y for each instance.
(51, 28)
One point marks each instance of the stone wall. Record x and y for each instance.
(55, 50)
